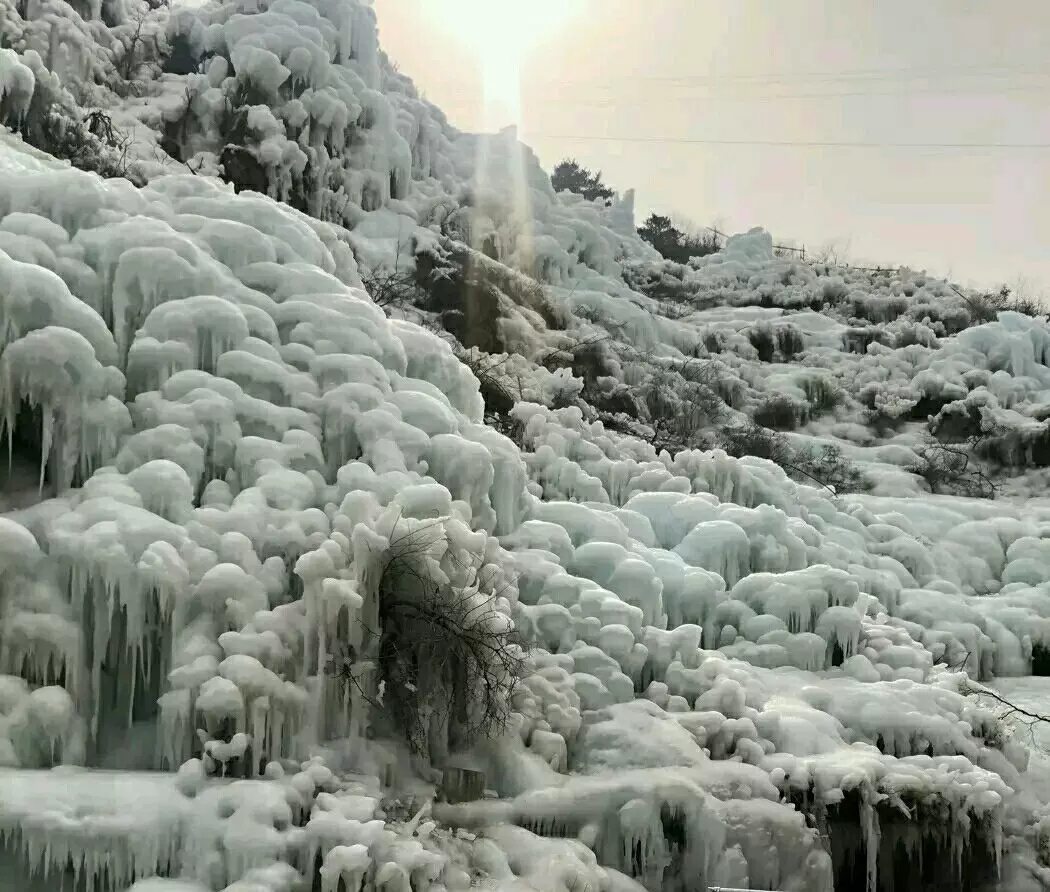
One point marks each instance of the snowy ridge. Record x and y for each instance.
(730, 676)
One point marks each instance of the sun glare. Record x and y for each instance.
(501, 34)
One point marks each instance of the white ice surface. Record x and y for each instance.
(708, 635)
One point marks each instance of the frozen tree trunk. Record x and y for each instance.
(462, 785)
(363, 692)
(437, 733)
(366, 690)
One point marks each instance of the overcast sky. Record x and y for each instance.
(795, 71)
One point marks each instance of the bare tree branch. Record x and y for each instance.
(1012, 709)
(445, 655)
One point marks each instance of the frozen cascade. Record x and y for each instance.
(727, 675)
(73, 827)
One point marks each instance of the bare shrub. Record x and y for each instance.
(665, 284)
(498, 398)
(857, 340)
(1010, 718)
(392, 285)
(831, 468)
(56, 125)
(1029, 306)
(764, 342)
(681, 416)
(447, 658)
(790, 342)
(714, 342)
(389, 288)
(780, 413)
(822, 395)
(131, 55)
(592, 359)
(954, 470)
(826, 466)
(987, 307)
(673, 311)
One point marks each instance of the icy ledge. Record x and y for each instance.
(105, 832)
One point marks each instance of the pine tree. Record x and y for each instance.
(569, 176)
(673, 243)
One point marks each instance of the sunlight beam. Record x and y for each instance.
(501, 34)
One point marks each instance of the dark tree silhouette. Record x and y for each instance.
(569, 176)
(673, 243)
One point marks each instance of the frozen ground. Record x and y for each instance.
(737, 671)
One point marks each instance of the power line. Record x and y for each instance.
(742, 88)
(766, 78)
(873, 75)
(829, 144)
(609, 101)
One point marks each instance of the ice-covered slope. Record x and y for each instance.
(731, 673)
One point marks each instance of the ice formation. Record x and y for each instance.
(216, 437)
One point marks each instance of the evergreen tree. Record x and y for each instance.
(673, 243)
(569, 176)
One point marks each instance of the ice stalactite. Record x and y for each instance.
(126, 619)
(39, 636)
(655, 826)
(889, 843)
(344, 868)
(870, 833)
(55, 371)
(85, 835)
(43, 729)
(209, 326)
(770, 845)
(841, 628)
(175, 739)
(280, 420)
(341, 655)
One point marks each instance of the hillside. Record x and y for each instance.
(378, 519)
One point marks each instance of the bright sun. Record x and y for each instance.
(501, 33)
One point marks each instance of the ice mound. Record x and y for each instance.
(720, 670)
(251, 437)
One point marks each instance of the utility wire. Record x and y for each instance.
(862, 76)
(804, 76)
(828, 144)
(609, 100)
(571, 93)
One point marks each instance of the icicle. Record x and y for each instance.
(45, 444)
(869, 823)
(133, 671)
(10, 429)
(258, 731)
